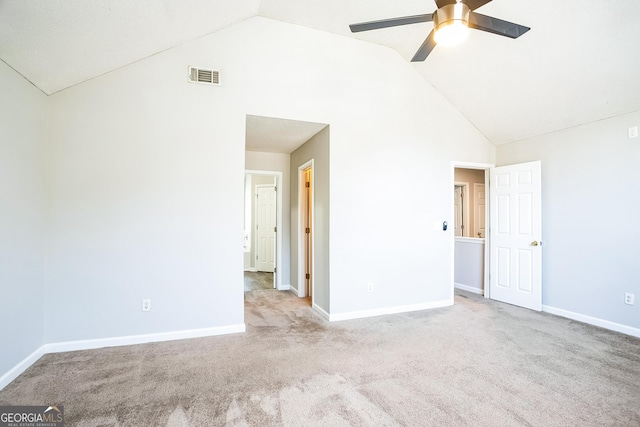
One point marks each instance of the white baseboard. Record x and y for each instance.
(388, 310)
(606, 324)
(285, 288)
(468, 288)
(293, 290)
(59, 347)
(21, 367)
(141, 339)
(321, 312)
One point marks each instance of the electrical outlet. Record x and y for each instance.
(146, 305)
(370, 287)
(629, 298)
(632, 132)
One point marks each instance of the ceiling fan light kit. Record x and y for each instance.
(452, 21)
(451, 24)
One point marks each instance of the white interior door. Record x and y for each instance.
(266, 228)
(515, 235)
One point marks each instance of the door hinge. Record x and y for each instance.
(307, 184)
(275, 229)
(275, 269)
(307, 276)
(307, 230)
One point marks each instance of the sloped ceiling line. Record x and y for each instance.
(576, 65)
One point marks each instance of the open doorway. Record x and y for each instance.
(262, 226)
(512, 249)
(306, 229)
(276, 144)
(469, 203)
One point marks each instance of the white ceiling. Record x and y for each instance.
(578, 64)
(58, 43)
(273, 135)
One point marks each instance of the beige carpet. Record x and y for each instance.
(478, 363)
(257, 280)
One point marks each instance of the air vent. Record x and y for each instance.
(201, 75)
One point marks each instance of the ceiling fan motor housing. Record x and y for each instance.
(452, 21)
(457, 13)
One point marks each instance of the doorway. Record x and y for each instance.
(305, 230)
(512, 253)
(265, 228)
(262, 230)
(469, 242)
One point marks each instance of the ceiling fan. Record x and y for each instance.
(451, 22)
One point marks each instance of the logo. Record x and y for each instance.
(31, 416)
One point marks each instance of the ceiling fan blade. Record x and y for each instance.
(496, 26)
(426, 48)
(393, 22)
(441, 3)
(474, 4)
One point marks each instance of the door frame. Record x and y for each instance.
(475, 204)
(255, 234)
(279, 191)
(487, 244)
(465, 204)
(301, 231)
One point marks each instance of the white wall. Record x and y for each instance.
(316, 149)
(391, 153)
(148, 189)
(590, 202)
(147, 184)
(468, 273)
(23, 137)
(147, 202)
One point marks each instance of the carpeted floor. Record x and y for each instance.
(257, 280)
(478, 363)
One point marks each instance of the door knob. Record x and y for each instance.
(534, 243)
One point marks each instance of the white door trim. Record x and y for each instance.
(279, 184)
(256, 237)
(465, 206)
(487, 253)
(301, 232)
(475, 204)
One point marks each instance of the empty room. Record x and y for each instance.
(360, 213)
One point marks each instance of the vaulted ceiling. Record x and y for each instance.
(578, 64)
